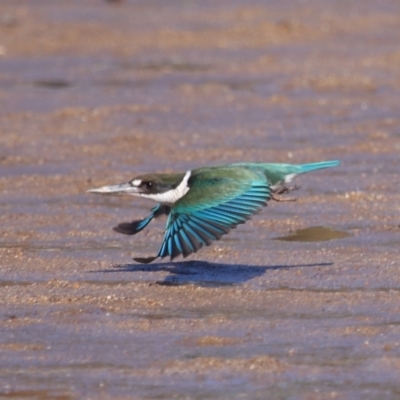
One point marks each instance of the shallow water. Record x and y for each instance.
(314, 234)
(103, 92)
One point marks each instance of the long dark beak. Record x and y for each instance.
(123, 188)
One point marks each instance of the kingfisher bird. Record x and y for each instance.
(204, 204)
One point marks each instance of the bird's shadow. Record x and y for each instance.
(203, 273)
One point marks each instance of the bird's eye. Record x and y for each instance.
(148, 185)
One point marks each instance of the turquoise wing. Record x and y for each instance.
(212, 207)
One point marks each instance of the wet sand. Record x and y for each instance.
(94, 93)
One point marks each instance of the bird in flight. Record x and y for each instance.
(204, 204)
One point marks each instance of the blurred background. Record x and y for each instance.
(95, 92)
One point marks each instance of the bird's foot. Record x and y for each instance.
(285, 189)
(277, 197)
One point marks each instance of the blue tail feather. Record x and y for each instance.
(318, 165)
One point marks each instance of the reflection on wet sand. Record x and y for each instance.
(314, 234)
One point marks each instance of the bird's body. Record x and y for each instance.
(205, 203)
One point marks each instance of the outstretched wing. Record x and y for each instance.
(131, 228)
(212, 207)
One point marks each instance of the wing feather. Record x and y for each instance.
(185, 247)
(194, 225)
(134, 227)
(218, 200)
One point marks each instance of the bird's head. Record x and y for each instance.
(152, 186)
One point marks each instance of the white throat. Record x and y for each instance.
(172, 195)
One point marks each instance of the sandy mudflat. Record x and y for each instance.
(94, 93)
